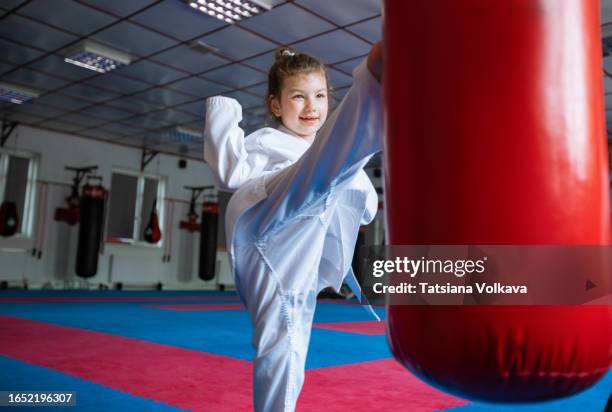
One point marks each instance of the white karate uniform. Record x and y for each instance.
(292, 224)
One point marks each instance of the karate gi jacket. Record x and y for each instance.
(316, 194)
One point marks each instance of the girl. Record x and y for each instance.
(301, 196)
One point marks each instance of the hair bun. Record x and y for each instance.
(283, 52)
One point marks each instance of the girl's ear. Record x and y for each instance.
(274, 106)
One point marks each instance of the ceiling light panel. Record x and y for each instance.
(183, 134)
(229, 11)
(16, 94)
(94, 56)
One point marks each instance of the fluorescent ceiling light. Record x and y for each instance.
(94, 56)
(201, 47)
(183, 134)
(230, 11)
(16, 94)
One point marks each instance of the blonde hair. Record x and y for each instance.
(288, 62)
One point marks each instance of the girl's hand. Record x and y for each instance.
(375, 64)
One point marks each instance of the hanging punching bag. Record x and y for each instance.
(93, 199)
(70, 214)
(152, 232)
(495, 135)
(9, 219)
(208, 240)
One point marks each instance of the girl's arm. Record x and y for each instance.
(224, 144)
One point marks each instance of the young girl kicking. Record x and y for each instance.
(301, 196)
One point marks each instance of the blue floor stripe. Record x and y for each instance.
(16, 375)
(220, 332)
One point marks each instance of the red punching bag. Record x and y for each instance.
(152, 232)
(70, 214)
(495, 135)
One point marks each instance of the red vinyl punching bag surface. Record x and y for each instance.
(495, 135)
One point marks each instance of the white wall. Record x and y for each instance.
(124, 263)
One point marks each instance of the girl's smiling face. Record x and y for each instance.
(302, 104)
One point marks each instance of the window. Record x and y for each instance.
(18, 172)
(131, 199)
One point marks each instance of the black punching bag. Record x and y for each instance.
(208, 240)
(9, 219)
(90, 230)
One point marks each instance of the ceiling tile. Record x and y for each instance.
(11, 4)
(177, 19)
(172, 116)
(25, 118)
(119, 7)
(119, 84)
(29, 32)
(57, 66)
(198, 87)
(325, 47)
(370, 29)
(150, 72)
(67, 15)
(340, 92)
(133, 39)
(60, 126)
(147, 122)
(17, 54)
(98, 133)
(5, 67)
(236, 43)
(349, 65)
(90, 93)
(195, 125)
(82, 120)
(34, 79)
(339, 79)
(263, 62)
(246, 100)
(120, 129)
(105, 112)
(185, 58)
(260, 89)
(163, 96)
(286, 24)
(343, 12)
(137, 141)
(195, 108)
(62, 102)
(134, 105)
(236, 75)
(38, 109)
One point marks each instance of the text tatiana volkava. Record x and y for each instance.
(495, 288)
